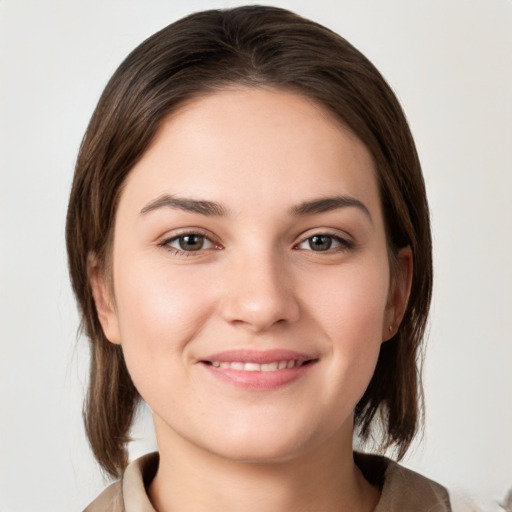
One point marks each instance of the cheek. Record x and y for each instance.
(159, 312)
(350, 311)
(351, 301)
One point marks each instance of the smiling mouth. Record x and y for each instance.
(257, 367)
(259, 370)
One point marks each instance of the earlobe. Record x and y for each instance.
(400, 290)
(103, 300)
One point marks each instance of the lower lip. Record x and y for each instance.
(259, 381)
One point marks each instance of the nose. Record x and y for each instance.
(260, 294)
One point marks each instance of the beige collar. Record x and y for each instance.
(403, 490)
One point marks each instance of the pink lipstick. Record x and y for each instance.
(258, 370)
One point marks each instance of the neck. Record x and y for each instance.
(190, 478)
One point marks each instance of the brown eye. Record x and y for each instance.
(190, 242)
(324, 242)
(320, 242)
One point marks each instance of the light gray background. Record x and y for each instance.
(449, 62)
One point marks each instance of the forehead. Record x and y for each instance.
(252, 146)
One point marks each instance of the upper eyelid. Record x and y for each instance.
(170, 241)
(343, 242)
(188, 231)
(335, 233)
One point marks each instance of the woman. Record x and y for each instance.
(249, 244)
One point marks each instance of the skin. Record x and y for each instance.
(258, 283)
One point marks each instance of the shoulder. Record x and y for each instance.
(110, 500)
(129, 493)
(402, 488)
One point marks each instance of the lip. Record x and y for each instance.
(258, 380)
(258, 356)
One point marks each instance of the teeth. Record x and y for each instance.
(255, 367)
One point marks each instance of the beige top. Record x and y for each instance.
(403, 490)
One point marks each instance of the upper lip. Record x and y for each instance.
(257, 356)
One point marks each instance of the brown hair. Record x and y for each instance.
(251, 46)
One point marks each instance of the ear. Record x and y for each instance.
(103, 300)
(399, 290)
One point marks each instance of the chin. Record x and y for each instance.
(276, 444)
(259, 452)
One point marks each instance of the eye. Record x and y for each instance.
(189, 242)
(324, 242)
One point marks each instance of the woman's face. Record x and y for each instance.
(251, 282)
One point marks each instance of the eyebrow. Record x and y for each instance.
(208, 208)
(211, 208)
(328, 204)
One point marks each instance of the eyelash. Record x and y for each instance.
(343, 243)
(181, 252)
